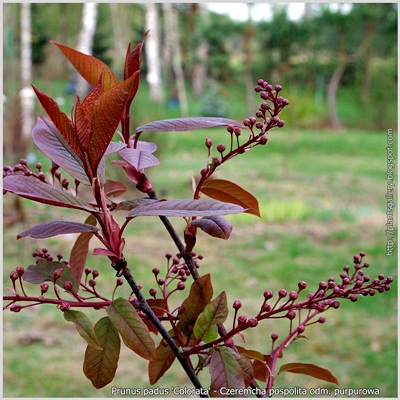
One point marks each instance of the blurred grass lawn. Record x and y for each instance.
(322, 199)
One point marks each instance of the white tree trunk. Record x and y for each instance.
(199, 76)
(26, 93)
(171, 25)
(85, 41)
(153, 53)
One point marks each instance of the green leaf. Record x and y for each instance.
(214, 313)
(162, 362)
(132, 329)
(44, 271)
(100, 366)
(200, 295)
(80, 249)
(309, 369)
(229, 192)
(225, 372)
(83, 326)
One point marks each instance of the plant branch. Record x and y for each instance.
(142, 304)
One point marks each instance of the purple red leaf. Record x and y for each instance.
(186, 208)
(139, 159)
(54, 228)
(225, 371)
(33, 189)
(44, 271)
(186, 124)
(217, 227)
(49, 140)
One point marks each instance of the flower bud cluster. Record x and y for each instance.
(350, 286)
(44, 254)
(177, 270)
(22, 168)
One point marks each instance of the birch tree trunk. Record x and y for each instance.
(248, 36)
(85, 41)
(171, 26)
(199, 75)
(26, 93)
(332, 91)
(153, 54)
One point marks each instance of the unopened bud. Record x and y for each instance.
(252, 322)
(44, 287)
(95, 273)
(15, 308)
(274, 336)
(119, 282)
(221, 148)
(229, 343)
(291, 314)
(152, 292)
(180, 286)
(301, 328)
(242, 319)
(68, 286)
(14, 275)
(268, 294)
(57, 274)
(282, 293)
(64, 306)
(293, 295)
(237, 304)
(209, 143)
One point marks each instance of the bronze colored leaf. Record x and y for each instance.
(162, 362)
(214, 313)
(100, 366)
(200, 295)
(132, 329)
(223, 190)
(80, 249)
(225, 372)
(309, 369)
(83, 326)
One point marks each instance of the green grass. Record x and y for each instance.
(322, 200)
